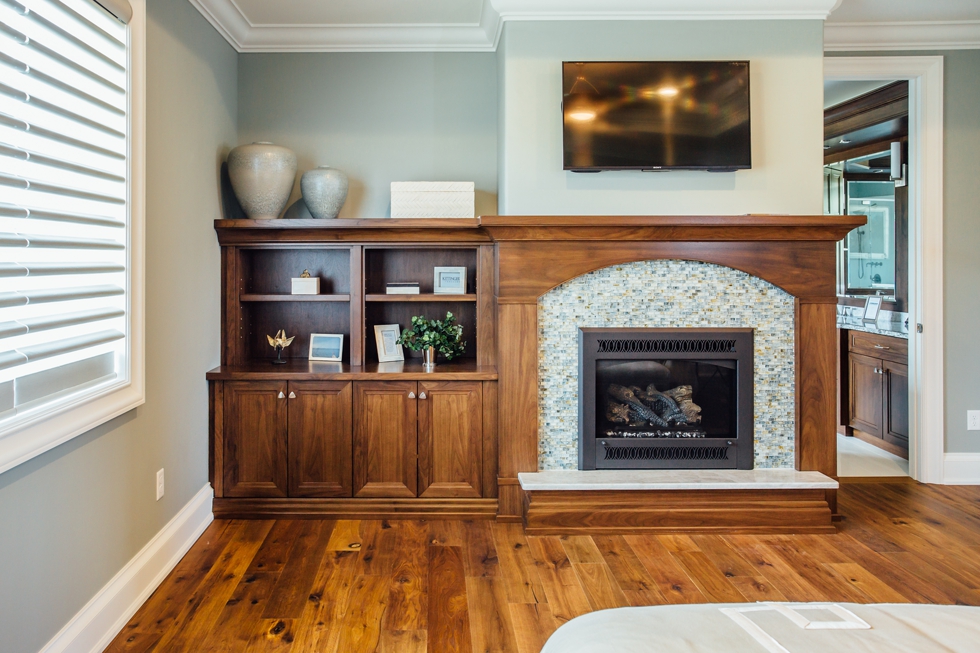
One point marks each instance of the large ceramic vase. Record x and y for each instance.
(262, 176)
(324, 191)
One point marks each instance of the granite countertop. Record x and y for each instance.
(890, 323)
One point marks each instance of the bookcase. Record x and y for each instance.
(356, 437)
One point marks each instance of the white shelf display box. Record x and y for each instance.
(433, 199)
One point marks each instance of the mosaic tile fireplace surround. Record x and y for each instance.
(666, 294)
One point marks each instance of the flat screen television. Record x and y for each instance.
(656, 115)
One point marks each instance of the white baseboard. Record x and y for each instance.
(91, 630)
(962, 469)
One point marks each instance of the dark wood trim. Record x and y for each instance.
(490, 435)
(486, 310)
(364, 508)
(868, 110)
(672, 511)
(357, 326)
(529, 269)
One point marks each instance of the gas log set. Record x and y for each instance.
(650, 413)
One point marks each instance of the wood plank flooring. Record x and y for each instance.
(442, 586)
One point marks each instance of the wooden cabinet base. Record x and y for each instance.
(658, 511)
(364, 508)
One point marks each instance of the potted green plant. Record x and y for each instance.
(433, 337)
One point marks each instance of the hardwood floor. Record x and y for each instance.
(440, 586)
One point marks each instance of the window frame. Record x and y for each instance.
(63, 421)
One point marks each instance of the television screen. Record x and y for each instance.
(656, 115)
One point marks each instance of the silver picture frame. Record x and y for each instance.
(449, 281)
(386, 336)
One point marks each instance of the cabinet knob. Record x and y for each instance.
(281, 395)
(411, 395)
(421, 395)
(292, 395)
(881, 347)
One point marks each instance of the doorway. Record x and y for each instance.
(924, 392)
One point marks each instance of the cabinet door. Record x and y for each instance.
(254, 436)
(320, 439)
(895, 386)
(450, 439)
(865, 389)
(385, 439)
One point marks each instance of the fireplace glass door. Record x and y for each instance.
(666, 398)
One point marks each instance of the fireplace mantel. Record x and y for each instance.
(536, 253)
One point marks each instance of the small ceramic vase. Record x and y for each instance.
(324, 191)
(262, 176)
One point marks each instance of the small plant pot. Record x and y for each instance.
(429, 359)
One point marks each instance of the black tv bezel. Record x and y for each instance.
(656, 168)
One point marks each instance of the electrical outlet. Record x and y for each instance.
(973, 420)
(159, 484)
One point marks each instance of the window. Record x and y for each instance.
(70, 219)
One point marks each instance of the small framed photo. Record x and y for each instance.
(449, 281)
(871, 308)
(386, 335)
(326, 346)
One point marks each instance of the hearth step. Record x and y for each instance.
(590, 502)
(677, 479)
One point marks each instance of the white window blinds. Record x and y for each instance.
(64, 204)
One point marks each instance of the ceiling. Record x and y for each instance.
(475, 25)
(836, 91)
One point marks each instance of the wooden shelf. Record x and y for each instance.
(301, 369)
(426, 297)
(359, 223)
(251, 297)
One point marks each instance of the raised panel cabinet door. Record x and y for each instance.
(319, 441)
(450, 439)
(254, 458)
(865, 389)
(385, 439)
(896, 409)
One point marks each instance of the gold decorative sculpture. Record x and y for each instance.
(280, 342)
(305, 275)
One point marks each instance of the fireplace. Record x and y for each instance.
(665, 398)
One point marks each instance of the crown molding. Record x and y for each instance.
(932, 35)
(244, 36)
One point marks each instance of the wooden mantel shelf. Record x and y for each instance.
(492, 228)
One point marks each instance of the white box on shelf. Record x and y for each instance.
(433, 199)
(306, 285)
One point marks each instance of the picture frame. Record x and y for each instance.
(871, 308)
(449, 281)
(326, 347)
(386, 336)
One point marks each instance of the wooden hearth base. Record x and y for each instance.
(288, 508)
(592, 512)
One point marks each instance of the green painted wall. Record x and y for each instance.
(379, 117)
(72, 517)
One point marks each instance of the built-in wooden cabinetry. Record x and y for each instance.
(877, 390)
(309, 438)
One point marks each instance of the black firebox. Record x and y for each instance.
(665, 399)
